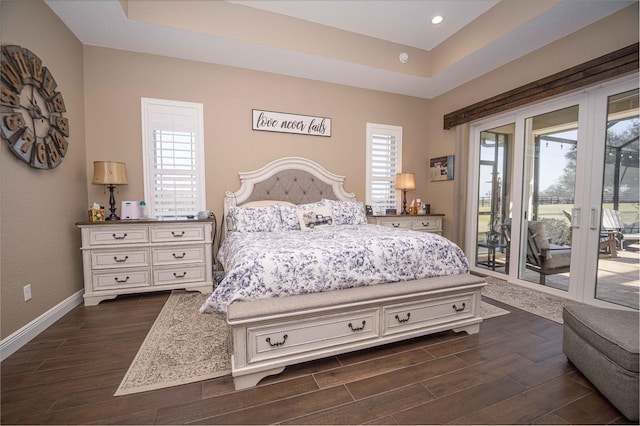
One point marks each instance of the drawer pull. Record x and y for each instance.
(184, 274)
(455, 308)
(357, 328)
(425, 224)
(119, 281)
(176, 234)
(119, 237)
(276, 344)
(395, 225)
(404, 319)
(124, 259)
(177, 256)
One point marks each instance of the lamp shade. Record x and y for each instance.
(405, 181)
(109, 173)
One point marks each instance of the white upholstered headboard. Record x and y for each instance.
(293, 179)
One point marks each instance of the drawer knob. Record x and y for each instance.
(401, 320)
(177, 234)
(178, 256)
(180, 275)
(276, 344)
(119, 281)
(119, 237)
(455, 308)
(357, 328)
(124, 259)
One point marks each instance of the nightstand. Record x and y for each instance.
(417, 222)
(138, 256)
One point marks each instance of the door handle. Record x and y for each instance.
(576, 216)
(594, 218)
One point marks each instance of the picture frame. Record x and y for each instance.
(441, 168)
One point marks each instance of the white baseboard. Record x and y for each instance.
(15, 341)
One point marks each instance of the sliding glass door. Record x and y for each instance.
(619, 233)
(551, 149)
(554, 196)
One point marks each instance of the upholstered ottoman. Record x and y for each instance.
(603, 345)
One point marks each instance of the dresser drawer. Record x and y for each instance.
(405, 224)
(426, 224)
(119, 235)
(119, 258)
(178, 255)
(294, 337)
(123, 278)
(411, 316)
(177, 233)
(178, 274)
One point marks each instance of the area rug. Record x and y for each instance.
(184, 346)
(535, 302)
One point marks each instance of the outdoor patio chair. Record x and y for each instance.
(613, 225)
(543, 257)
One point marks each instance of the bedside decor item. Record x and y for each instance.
(271, 121)
(32, 122)
(405, 182)
(441, 168)
(111, 174)
(96, 213)
(130, 210)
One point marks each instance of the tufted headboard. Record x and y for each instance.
(293, 179)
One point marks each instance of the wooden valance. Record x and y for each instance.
(609, 66)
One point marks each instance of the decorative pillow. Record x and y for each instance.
(314, 218)
(255, 219)
(348, 212)
(290, 217)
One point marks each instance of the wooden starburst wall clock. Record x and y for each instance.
(32, 111)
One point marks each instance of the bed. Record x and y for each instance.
(306, 277)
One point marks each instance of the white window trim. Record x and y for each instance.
(147, 140)
(385, 129)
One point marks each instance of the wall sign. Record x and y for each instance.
(270, 121)
(441, 168)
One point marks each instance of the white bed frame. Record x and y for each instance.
(270, 334)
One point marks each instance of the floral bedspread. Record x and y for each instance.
(283, 263)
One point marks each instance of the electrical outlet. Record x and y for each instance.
(27, 292)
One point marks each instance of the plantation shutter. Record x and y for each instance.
(384, 161)
(174, 171)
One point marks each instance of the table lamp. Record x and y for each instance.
(110, 173)
(404, 182)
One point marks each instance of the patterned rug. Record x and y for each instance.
(184, 346)
(535, 302)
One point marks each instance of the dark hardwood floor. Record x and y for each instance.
(512, 372)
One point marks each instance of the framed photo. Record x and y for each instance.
(441, 168)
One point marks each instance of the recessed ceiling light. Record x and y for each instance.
(437, 19)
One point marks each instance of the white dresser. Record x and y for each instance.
(418, 222)
(124, 257)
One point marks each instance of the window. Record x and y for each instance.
(173, 158)
(384, 160)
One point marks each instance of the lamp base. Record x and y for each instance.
(404, 202)
(112, 204)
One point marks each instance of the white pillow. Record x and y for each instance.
(290, 217)
(255, 219)
(348, 212)
(315, 217)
